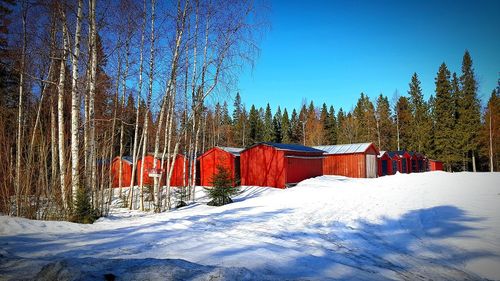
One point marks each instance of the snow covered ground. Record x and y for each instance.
(425, 226)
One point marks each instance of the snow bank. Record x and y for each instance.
(431, 225)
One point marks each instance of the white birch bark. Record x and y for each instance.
(60, 112)
(137, 114)
(75, 108)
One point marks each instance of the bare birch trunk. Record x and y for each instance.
(20, 115)
(75, 108)
(122, 106)
(137, 114)
(60, 113)
(92, 90)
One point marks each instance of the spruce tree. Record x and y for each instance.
(469, 116)
(277, 119)
(333, 127)
(341, 138)
(403, 114)
(444, 120)
(325, 122)
(421, 123)
(268, 125)
(238, 122)
(255, 127)
(286, 128)
(385, 125)
(295, 128)
(457, 155)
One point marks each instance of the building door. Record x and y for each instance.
(371, 166)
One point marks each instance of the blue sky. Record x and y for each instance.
(331, 51)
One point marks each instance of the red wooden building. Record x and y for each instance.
(357, 160)
(279, 165)
(435, 165)
(227, 157)
(417, 162)
(126, 175)
(177, 173)
(148, 164)
(404, 160)
(181, 168)
(384, 164)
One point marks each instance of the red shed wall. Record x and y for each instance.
(126, 172)
(299, 169)
(209, 162)
(349, 165)
(263, 165)
(178, 171)
(148, 164)
(435, 165)
(388, 160)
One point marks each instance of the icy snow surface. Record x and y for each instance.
(423, 226)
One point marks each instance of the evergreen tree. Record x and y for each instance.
(456, 96)
(332, 125)
(341, 138)
(295, 128)
(325, 122)
(403, 114)
(421, 123)
(444, 122)
(469, 116)
(385, 126)
(238, 122)
(268, 125)
(255, 127)
(277, 119)
(286, 128)
(222, 187)
(237, 108)
(490, 133)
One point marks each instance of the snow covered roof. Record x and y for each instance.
(344, 148)
(292, 147)
(233, 150)
(381, 153)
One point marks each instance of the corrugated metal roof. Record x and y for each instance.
(128, 158)
(292, 147)
(233, 150)
(344, 148)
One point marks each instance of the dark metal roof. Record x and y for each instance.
(293, 147)
(127, 158)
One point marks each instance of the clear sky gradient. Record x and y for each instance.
(331, 51)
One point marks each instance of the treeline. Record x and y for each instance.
(450, 126)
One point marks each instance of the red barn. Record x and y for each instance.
(435, 165)
(384, 164)
(181, 168)
(228, 157)
(357, 160)
(279, 165)
(126, 175)
(148, 164)
(404, 160)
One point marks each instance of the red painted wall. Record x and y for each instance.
(178, 171)
(263, 165)
(210, 160)
(348, 165)
(148, 164)
(385, 157)
(435, 165)
(299, 169)
(126, 172)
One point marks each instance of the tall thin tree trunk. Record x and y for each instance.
(137, 114)
(75, 108)
(473, 161)
(60, 112)
(148, 102)
(122, 107)
(492, 169)
(92, 91)
(20, 114)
